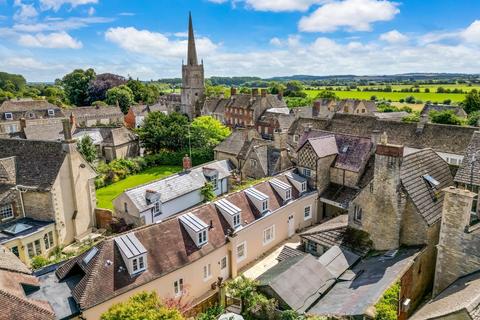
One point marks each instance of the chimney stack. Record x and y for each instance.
(316, 107)
(187, 163)
(280, 95)
(375, 137)
(264, 93)
(233, 91)
(254, 92)
(23, 123)
(67, 131)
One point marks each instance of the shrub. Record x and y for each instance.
(474, 118)
(387, 307)
(39, 262)
(445, 117)
(211, 313)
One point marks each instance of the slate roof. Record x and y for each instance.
(35, 226)
(234, 143)
(358, 296)
(178, 184)
(22, 109)
(462, 295)
(337, 193)
(246, 101)
(169, 247)
(395, 116)
(47, 132)
(10, 262)
(441, 138)
(334, 232)
(353, 152)
(427, 199)
(37, 162)
(298, 281)
(14, 301)
(427, 108)
(464, 173)
(83, 113)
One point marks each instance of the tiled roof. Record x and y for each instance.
(463, 294)
(396, 116)
(245, 101)
(168, 245)
(10, 262)
(443, 107)
(334, 233)
(37, 162)
(95, 112)
(178, 184)
(427, 199)
(234, 143)
(47, 132)
(465, 174)
(23, 109)
(288, 252)
(15, 304)
(444, 138)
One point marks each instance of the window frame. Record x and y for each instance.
(307, 172)
(207, 272)
(357, 213)
(244, 256)
(309, 216)
(51, 112)
(10, 116)
(236, 223)
(268, 231)
(4, 209)
(202, 237)
(178, 287)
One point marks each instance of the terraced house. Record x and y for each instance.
(183, 256)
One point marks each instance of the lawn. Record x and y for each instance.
(394, 96)
(106, 195)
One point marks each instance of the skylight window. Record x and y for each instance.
(17, 228)
(344, 149)
(431, 181)
(86, 260)
(8, 116)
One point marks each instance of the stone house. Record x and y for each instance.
(44, 183)
(183, 257)
(95, 116)
(429, 107)
(337, 165)
(31, 111)
(157, 200)
(137, 113)
(273, 121)
(450, 142)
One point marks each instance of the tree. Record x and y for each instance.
(208, 131)
(98, 87)
(122, 95)
(208, 192)
(160, 132)
(12, 82)
(471, 102)
(144, 306)
(324, 94)
(474, 118)
(76, 86)
(87, 149)
(242, 288)
(410, 99)
(214, 91)
(445, 117)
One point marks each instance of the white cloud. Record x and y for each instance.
(25, 12)
(274, 5)
(154, 43)
(91, 11)
(181, 34)
(353, 15)
(276, 42)
(126, 14)
(60, 25)
(52, 40)
(393, 36)
(55, 5)
(218, 1)
(472, 33)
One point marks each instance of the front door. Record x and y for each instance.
(224, 268)
(291, 226)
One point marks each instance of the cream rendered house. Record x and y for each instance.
(183, 256)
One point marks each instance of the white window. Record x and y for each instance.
(307, 172)
(48, 240)
(51, 112)
(135, 265)
(207, 272)
(295, 138)
(6, 212)
(156, 208)
(141, 263)
(12, 128)
(307, 213)
(223, 263)
(357, 213)
(202, 237)
(288, 194)
(8, 116)
(236, 220)
(241, 251)
(265, 205)
(178, 287)
(304, 186)
(214, 182)
(34, 249)
(268, 235)
(253, 163)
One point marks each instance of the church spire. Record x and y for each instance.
(192, 51)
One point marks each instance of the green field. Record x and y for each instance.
(106, 195)
(422, 87)
(393, 96)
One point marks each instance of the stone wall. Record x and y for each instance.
(38, 205)
(459, 244)
(344, 177)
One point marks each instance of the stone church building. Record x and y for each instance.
(193, 78)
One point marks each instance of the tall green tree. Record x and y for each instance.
(76, 86)
(445, 117)
(87, 149)
(472, 102)
(142, 306)
(324, 94)
(208, 131)
(122, 95)
(164, 132)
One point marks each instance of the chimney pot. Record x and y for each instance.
(233, 91)
(67, 131)
(187, 163)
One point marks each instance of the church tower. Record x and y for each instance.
(193, 81)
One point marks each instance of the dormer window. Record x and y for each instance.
(283, 189)
(133, 253)
(196, 228)
(432, 182)
(31, 115)
(299, 182)
(304, 186)
(259, 199)
(230, 212)
(8, 116)
(51, 112)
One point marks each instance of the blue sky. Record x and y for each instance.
(44, 39)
